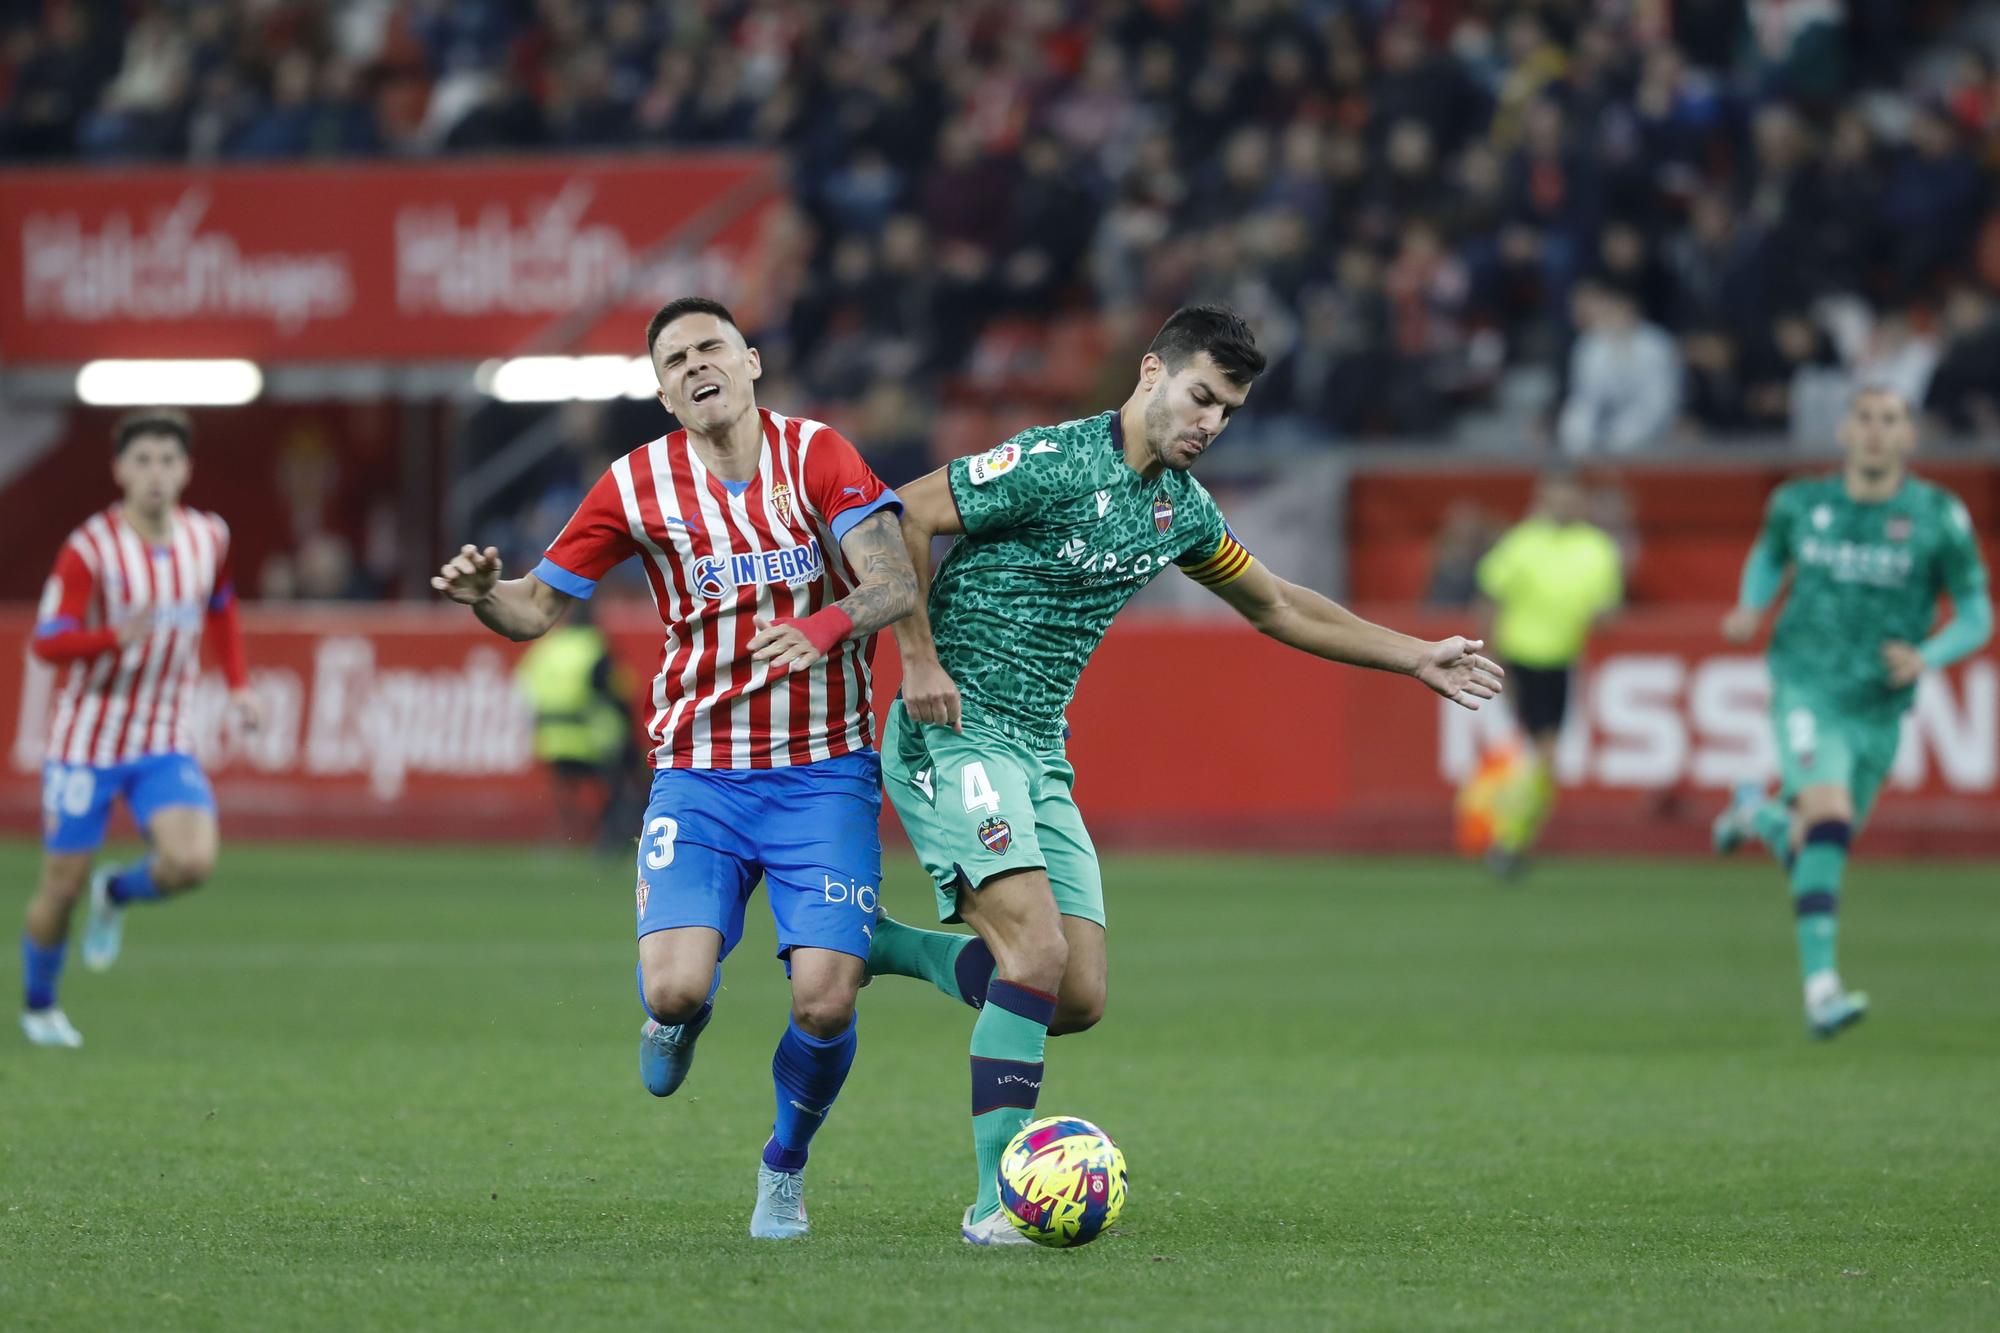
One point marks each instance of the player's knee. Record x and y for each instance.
(673, 1000)
(180, 869)
(825, 1015)
(1077, 1013)
(1035, 956)
(63, 882)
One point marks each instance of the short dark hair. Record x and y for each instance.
(686, 305)
(1215, 329)
(152, 421)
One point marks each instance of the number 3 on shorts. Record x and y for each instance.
(978, 789)
(662, 831)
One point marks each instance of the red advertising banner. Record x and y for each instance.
(404, 723)
(440, 261)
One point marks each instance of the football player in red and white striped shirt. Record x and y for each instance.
(134, 592)
(774, 555)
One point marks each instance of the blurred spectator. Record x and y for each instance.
(1965, 390)
(1411, 193)
(1624, 377)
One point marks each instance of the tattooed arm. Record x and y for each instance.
(886, 593)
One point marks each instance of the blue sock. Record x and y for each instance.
(707, 1006)
(41, 966)
(134, 884)
(808, 1072)
(973, 970)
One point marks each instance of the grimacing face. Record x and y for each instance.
(152, 471)
(1187, 408)
(706, 371)
(1878, 434)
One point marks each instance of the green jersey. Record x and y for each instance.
(1864, 575)
(1060, 532)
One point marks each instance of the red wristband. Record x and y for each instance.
(825, 628)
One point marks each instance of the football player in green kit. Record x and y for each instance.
(1061, 525)
(1869, 551)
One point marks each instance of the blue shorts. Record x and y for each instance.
(812, 831)
(76, 798)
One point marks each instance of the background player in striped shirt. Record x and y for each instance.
(1062, 525)
(773, 554)
(134, 591)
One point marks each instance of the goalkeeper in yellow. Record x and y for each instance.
(1869, 550)
(1550, 579)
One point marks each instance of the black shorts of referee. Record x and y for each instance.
(1540, 696)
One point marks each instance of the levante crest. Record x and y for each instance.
(995, 835)
(1163, 513)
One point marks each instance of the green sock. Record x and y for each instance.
(1772, 826)
(959, 965)
(1816, 877)
(1007, 1044)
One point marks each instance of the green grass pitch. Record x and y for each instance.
(369, 1089)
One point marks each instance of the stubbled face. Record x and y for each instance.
(706, 371)
(1187, 408)
(1878, 434)
(152, 472)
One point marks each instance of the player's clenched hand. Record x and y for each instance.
(247, 706)
(1741, 624)
(931, 695)
(1903, 663)
(134, 628)
(1455, 669)
(470, 575)
(785, 647)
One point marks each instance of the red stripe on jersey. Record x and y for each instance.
(702, 615)
(642, 516)
(646, 466)
(799, 688)
(757, 505)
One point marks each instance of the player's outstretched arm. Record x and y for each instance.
(929, 512)
(518, 609)
(1303, 619)
(886, 591)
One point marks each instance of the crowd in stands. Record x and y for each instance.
(1602, 223)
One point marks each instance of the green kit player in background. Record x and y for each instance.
(1869, 551)
(1061, 526)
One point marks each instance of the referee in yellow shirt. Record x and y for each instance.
(1550, 579)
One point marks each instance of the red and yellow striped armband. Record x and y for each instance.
(1229, 563)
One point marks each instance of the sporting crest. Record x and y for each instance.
(781, 500)
(1163, 513)
(641, 895)
(995, 835)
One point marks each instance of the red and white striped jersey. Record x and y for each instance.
(718, 555)
(115, 705)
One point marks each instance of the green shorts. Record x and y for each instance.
(978, 804)
(1820, 745)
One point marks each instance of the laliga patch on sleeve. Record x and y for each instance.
(995, 461)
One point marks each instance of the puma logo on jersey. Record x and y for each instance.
(1103, 502)
(1044, 447)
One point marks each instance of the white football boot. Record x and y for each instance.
(50, 1027)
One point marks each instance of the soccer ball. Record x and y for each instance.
(1062, 1181)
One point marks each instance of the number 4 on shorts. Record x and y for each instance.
(978, 789)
